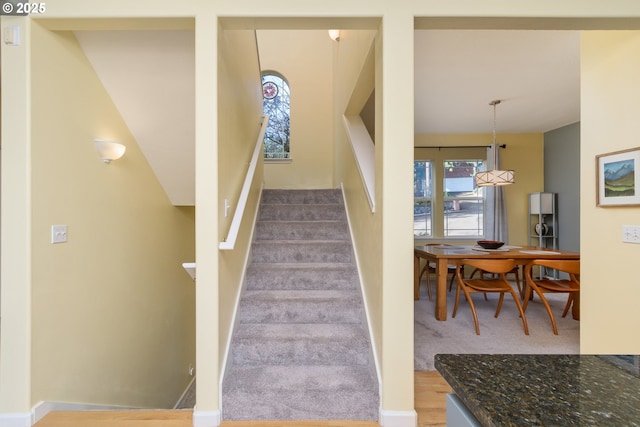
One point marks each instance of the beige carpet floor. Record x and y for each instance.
(502, 335)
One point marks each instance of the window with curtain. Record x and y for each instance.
(454, 210)
(277, 104)
(422, 194)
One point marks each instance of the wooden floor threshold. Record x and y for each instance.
(430, 404)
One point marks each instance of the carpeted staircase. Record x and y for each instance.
(301, 350)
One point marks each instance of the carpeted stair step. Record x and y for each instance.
(282, 276)
(302, 230)
(302, 212)
(301, 392)
(287, 251)
(300, 344)
(301, 348)
(300, 307)
(298, 197)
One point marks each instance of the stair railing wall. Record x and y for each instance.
(364, 154)
(230, 242)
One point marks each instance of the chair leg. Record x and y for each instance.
(455, 304)
(453, 275)
(473, 311)
(425, 270)
(521, 286)
(500, 301)
(566, 307)
(428, 273)
(548, 307)
(527, 296)
(524, 319)
(470, 301)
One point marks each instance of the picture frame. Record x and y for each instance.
(618, 178)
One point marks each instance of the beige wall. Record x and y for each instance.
(113, 310)
(15, 270)
(396, 71)
(524, 154)
(365, 225)
(610, 89)
(240, 116)
(390, 317)
(304, 58)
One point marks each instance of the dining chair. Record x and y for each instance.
(430, 268)
(570, 285)
(516, 274)
(497, 283)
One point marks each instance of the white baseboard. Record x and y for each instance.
(398, 418)
(43, 408)
(206, 418)
(184, 393)
(15, 420)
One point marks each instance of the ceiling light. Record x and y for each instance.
(495, 177)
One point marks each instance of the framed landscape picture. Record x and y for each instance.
(618, 181)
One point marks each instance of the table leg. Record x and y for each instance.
(416, 277)
(575, 306)
(441, 289)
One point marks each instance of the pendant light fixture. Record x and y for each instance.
(495, 177)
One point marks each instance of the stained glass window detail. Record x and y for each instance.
(277, 104)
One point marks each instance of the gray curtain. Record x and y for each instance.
(495, 218)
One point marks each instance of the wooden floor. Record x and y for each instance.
(430, 395)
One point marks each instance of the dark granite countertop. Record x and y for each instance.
(543, 390)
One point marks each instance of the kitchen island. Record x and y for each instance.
(542, 390)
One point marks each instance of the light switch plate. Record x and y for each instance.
(58, 233)
(631, 233)
(11, 36)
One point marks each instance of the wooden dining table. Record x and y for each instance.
(444, 255)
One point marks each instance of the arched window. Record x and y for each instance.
(277, 104)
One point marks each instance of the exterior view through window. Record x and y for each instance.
(422, 184)
(277, 104)
(462, 203)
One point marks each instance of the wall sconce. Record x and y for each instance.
(335, 35)
(109, 150)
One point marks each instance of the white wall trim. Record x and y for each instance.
(364, 296)
(184, 393)
(398, 418)
(243, 285)
(206, 418)
(364, 153)
(16, 420)
(43, 408)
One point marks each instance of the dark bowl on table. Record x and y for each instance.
(489, 244)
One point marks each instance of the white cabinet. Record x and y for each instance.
(543, 220)
(458, 415)
(543, 224)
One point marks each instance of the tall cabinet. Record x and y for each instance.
(543, 220)
(543, 225)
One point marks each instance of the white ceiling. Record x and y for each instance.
(536, 75)
(150, 76)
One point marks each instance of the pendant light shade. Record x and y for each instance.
(495, 177)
